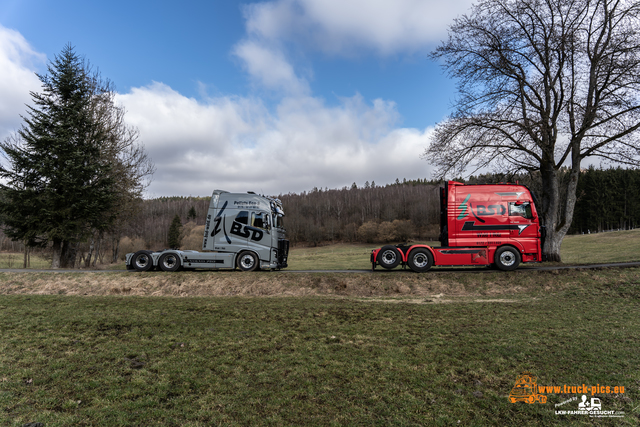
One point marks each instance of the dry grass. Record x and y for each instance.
(487, 284)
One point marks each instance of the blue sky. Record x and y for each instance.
(271, 96)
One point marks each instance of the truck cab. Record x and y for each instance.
(489, 224)
(242, 230)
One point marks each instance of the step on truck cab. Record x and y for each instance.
(479, 225)
(242, 230)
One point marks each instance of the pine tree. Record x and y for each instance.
(192, 213)
(173, 236)
(59, 187)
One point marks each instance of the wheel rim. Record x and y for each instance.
(247, 261)
(420, 260)
(507, 258)
(170, 261)
(142, 261)
(389, 257)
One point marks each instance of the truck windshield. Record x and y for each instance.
(278, 221)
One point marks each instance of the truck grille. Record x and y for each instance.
(283, 252)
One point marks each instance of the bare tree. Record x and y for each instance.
(542, 84)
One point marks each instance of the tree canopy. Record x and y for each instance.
(74, 165)
(542, 84)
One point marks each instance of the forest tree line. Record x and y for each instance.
(406, 210)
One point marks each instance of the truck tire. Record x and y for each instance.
(507, 258)
(142, 261)
(420, 260)
(169, 262)
(389, 257)
(247, 261)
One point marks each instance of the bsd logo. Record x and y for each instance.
(246, 231)
(490, 210)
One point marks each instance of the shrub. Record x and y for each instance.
(128, 245)
(192, 239)
(368, 232)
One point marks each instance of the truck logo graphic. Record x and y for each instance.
(464, 206)
(526, 390)
(471, 226)
(216, 224)
(246, 231)
(481, 210)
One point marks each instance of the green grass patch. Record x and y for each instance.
(341, 256)
(615, 246)
(16, 260)
(121, 361)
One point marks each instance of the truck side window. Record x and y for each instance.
(258, 219)
(243, 217)
(523, 210)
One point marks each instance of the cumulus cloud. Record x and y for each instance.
(345, 27)
(240, 143)
(18, 60)
(236, 144)
(269, 67)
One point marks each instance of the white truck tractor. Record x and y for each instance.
(243, 230)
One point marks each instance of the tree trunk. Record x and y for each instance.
(68, 254)
(95, 258)
(57, 251)
(116, 250)
(87, 261)
(26, 255)
(549, 213)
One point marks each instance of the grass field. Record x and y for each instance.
(16, 260)
(615, 246)
(441, 349)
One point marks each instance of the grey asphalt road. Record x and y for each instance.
(522, 269)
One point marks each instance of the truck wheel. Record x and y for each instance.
(389, 257)
(169, 262)
(247, 261)
(142, 261)
(507, 258)
(420, 260)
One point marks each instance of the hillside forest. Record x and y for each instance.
(407, 210)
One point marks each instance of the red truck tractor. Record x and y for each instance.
(479, 225)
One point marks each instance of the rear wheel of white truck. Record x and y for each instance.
(389, 257)
(142, 261)
(169, 262)
(247, 261)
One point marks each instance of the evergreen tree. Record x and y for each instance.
(192, 213)
(173, 236)
(60, 187)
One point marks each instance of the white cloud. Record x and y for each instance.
(346, 26)
(17, 63)
(237, 145)
(270, 68)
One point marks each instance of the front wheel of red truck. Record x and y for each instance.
(507, 258)
(389, 257)
(420, 260)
